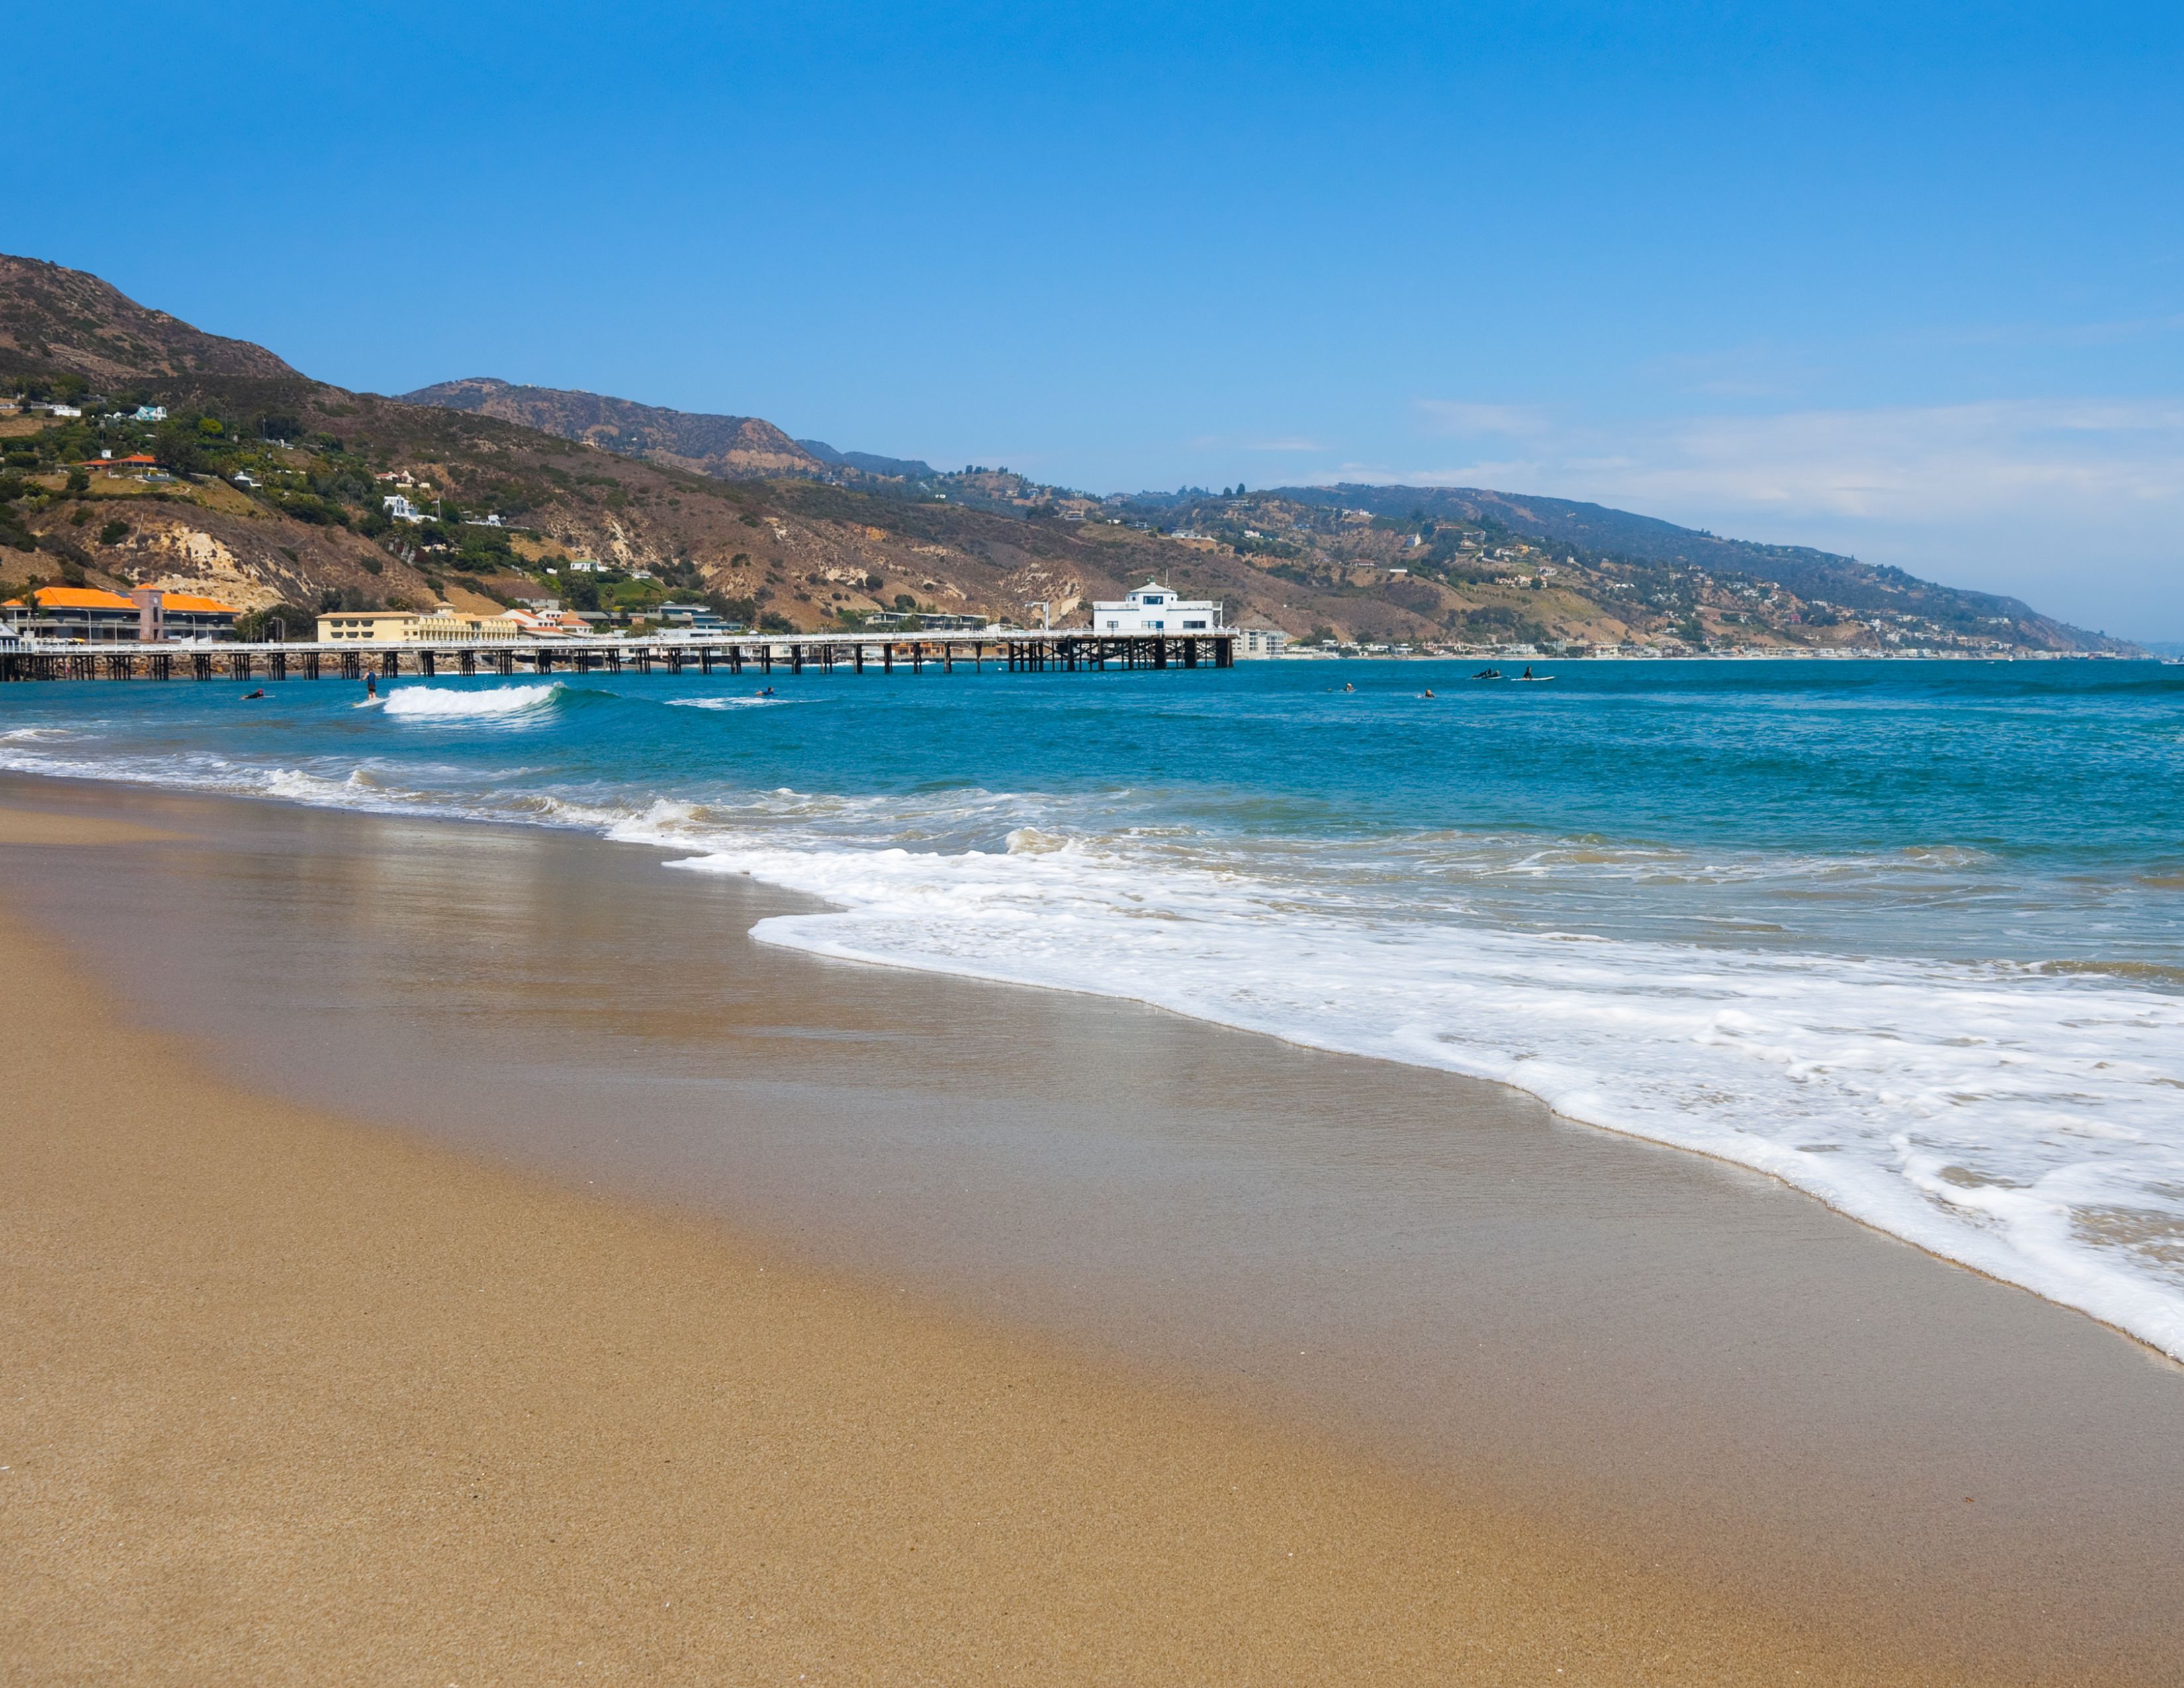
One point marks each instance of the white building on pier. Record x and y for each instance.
(1154, 609)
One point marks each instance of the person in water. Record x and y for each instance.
(1528, 672)
(249, 697)
(1347, 687)
(371, 685)
(1429, 690)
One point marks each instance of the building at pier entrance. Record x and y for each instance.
(1154, 609)
(85, 615)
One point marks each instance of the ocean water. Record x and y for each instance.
(1909, 936)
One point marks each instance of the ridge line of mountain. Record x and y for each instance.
(267, 487)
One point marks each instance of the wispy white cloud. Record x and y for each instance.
(1927, 463)
(1920, 464)
(1460, 416)
(1239, 443)
(2111, 333)
(1750, 371)
(1500, 473)
(2076, 505)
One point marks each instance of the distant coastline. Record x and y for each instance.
(142, 452)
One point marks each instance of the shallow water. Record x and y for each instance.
(1908, 935)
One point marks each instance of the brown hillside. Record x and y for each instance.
(676, 499)
(732, 448)
(61, 322)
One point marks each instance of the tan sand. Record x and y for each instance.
(36, 827)
(290, 1399)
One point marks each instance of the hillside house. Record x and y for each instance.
(700, 618)
(553, 622)
(401, 509)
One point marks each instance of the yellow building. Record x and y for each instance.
(439, 625)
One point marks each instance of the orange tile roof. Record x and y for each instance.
(198, 606)
(80, 598)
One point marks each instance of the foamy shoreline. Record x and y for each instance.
(2016, 1124)
(383, 1414)
(1735, 1352)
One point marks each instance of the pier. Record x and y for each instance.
(1012, 652)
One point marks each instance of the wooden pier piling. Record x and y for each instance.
(1032, 652)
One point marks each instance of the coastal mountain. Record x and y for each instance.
(894, 468)
(272, 488)
(1814, 577)
(728, 447)
(731, 448)
(66, 322)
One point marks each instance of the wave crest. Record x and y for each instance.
(436, 703)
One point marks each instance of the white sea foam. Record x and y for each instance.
(2027, 1122)
(433, 703)
(2027, 1126)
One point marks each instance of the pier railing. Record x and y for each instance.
(1014, 653)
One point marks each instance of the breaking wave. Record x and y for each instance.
(475, 704)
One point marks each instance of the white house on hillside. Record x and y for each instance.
(1153, 609)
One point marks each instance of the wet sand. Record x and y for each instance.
(1034, 1269)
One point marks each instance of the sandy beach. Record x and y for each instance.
(296, 1396)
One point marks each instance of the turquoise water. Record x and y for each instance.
(1909, 935)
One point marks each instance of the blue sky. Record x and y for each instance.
(1905, 282)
